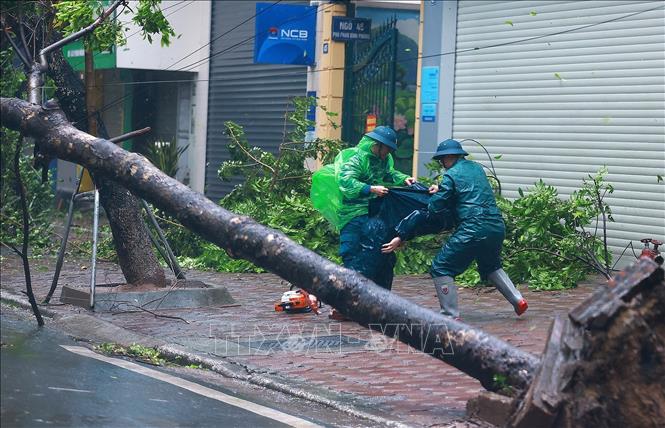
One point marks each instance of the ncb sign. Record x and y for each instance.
(285, 34)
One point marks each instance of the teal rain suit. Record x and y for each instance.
(465, 199)
(466, 194)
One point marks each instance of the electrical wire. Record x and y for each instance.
(225, 33)
(299, 73)
(248, 39)
(414, 58)
(122, 98)
(454, 52)
(630, 244)
(138, 31)
(494, 174)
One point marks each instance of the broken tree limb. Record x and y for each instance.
(474, 352)
(26, 234)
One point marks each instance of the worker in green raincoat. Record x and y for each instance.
(465, 195)
(360, 178)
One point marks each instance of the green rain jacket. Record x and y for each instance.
(466, 190)
(355, 177)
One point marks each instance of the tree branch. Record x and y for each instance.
(173, 317)
(249, 154)
(78, 34)
(13, 248)
(130, 135)
(26, 234)
(21, 30)
(554, 253)
(18, 51)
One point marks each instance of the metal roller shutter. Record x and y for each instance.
(562, 106)
(255, 96)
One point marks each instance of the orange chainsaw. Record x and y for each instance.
(297, 301)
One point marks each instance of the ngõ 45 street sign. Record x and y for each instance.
(351, 29)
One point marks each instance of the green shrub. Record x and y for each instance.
(165, 155)
(80, 244)
(545, 235)
(275, 191)
(547, 243)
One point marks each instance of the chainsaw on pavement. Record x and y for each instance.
(298, 301)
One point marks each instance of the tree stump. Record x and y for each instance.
(604, 364)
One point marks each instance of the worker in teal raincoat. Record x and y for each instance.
(466, 197)
(362, 177)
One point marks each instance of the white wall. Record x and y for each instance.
(191, 22)
(199, 141)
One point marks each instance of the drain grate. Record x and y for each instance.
(329, 343)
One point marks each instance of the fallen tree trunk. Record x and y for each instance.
(474, 352)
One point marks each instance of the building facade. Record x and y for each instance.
(145, 84)
(559, 90)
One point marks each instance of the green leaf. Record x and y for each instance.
(509, 22)
(533, 13)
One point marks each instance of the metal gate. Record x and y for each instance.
(369, 82)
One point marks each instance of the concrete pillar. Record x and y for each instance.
(416, 128)
(439, 35)
(327, 78)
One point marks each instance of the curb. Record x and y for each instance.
(80, 326)
(22, 302)
(173, 351)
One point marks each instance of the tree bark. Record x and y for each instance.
(69, 90)
(604, 364)
(132, 242)
(476, 353)
(136, 258)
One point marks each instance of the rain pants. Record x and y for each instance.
(466, 199)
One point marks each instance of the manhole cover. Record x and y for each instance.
(330, 343)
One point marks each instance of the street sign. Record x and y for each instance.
(74, 53)
(351, 29)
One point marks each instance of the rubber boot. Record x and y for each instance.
(446, 291)
(506, 287)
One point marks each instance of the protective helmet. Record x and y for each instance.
(384, 135)
(449, 147)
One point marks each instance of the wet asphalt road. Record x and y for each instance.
(45, 385)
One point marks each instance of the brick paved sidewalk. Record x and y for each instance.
(394, 379)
